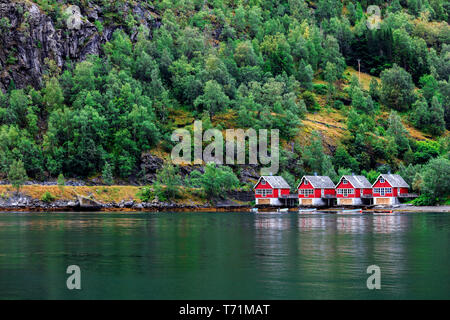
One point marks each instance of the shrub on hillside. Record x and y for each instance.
(146, 194)
(47, 197)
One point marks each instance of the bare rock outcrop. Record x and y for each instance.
(30, 37)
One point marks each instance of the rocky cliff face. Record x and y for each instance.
(31, 39)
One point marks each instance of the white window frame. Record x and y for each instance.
(382, 180)
(346, 191)
(306, 192)
(344, 181)
(264, 192)
(382, 191)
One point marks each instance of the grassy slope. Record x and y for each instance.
(331, 123)
(100, 193)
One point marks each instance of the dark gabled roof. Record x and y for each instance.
(395, 180)
(323, 182)
(357, 181)
(276, 182)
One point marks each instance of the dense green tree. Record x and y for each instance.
(305, 74)
(342, 159)
(361, 102)
(429, 118)
(19, 102)
(244, 54)
(397, 88)
(61, 181)
(16, 144)
(276, 51)
(168, 181)
(429, 86)
(424, 151)
(437, 122)
(216, 180)
(409, 173)
(213, 99)
(53, 95)
(374, 89)
(331, 75)
(17, 175)
(435, 183)
(444, 93)
(107, 174)
(398, 132)
(420, 116)
(327, 9)
(316, 159)
(352, 14)
(186, 86)
(333, 55)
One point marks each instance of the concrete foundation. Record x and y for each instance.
(388, 201)
(349, 201)
(316, 202)
(268, 201)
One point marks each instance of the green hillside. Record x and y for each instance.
(88, 92)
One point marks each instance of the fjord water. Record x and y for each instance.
(224, 255)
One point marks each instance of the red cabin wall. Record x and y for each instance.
(348, 185)
(263, 186)
(317, 191)
(266, 186)
(305, 186)
(275, 193)
(385, 184)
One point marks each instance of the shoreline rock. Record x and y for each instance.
(20, 202)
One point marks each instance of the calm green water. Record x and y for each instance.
(223, 255)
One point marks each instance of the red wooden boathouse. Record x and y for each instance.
(270, 190)
(352, 189)
(388, 188)
(315, 191)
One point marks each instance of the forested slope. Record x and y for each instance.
(95, 90)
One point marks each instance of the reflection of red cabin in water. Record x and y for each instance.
(352, 189)
(388, 188)
(315, 190)
(269, 190)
